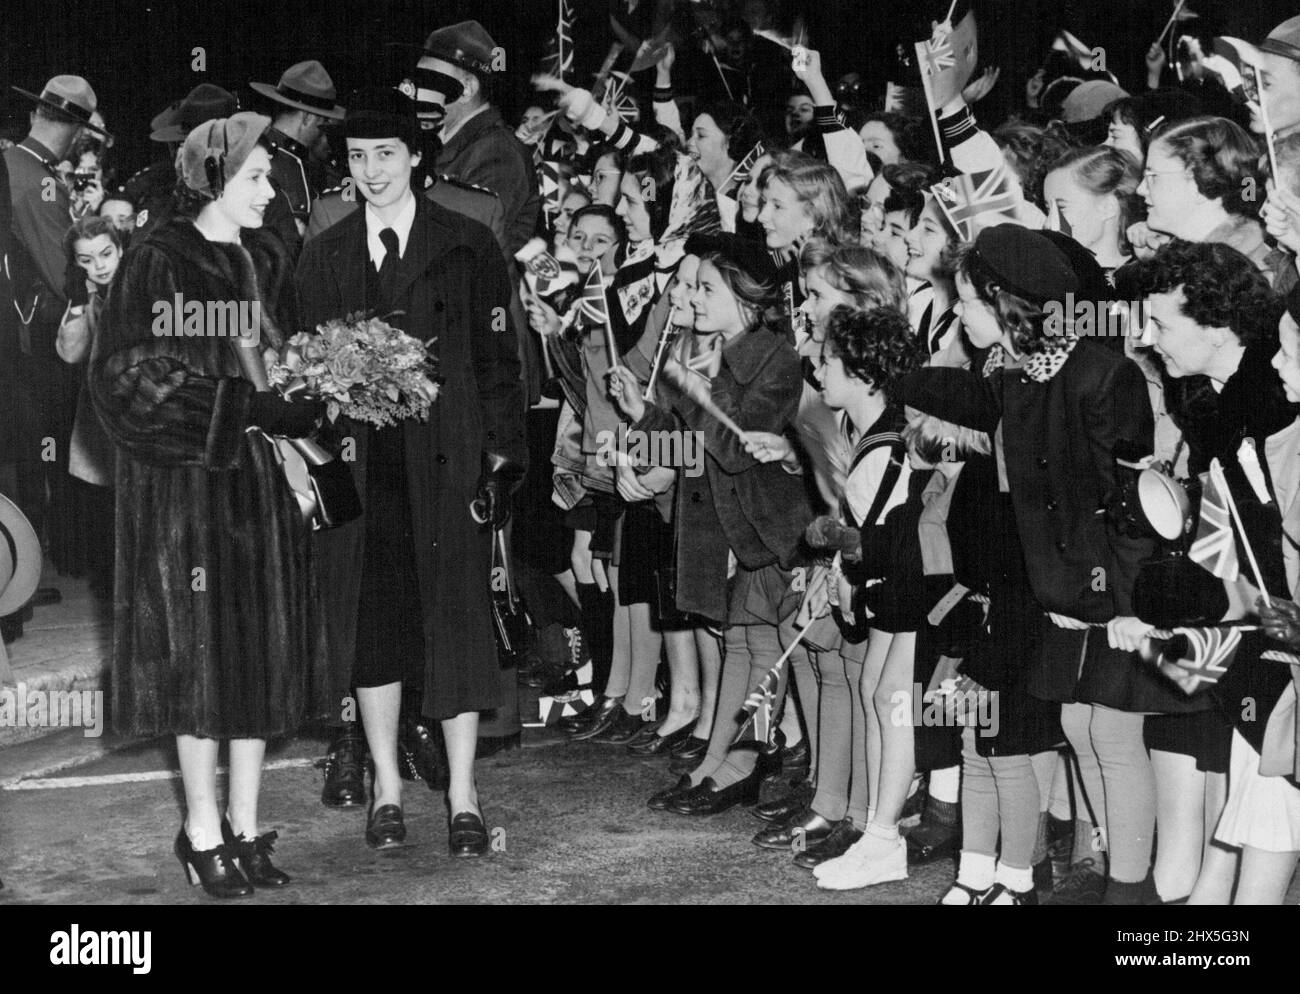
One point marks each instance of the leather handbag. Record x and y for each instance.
(509, 617)
(323, 485)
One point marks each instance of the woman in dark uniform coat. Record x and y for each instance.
(407, 586)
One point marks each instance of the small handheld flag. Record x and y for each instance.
(967, 196)
(1206, 656)
(757, 723)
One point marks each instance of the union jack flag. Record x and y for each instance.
(757, 726)
(592, 305)
(1215, 547)
(549, 186)
(561, 63)
(743, 168)
(936, 55)
(1209, 652)
(967, 196)
(616, 100)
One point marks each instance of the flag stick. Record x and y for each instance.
(1172, 17)
(1268, 130)
(656, 364)
(698, 392)
(1220, 481)
(721, 75)
(952, 7)
(929, 100)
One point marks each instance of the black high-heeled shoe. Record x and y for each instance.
(214, 868)
(708, 799)
(254, 857)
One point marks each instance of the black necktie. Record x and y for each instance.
(388, 268)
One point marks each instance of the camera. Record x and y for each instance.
(82, 178)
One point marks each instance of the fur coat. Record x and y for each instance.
(216, 619)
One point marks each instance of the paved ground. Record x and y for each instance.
(570, 818)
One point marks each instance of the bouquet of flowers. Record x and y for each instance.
(362, 367)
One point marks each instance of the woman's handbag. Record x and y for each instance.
(509, 619)
(323, 485)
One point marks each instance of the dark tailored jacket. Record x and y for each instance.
(476, 203)
(235, 657)
(1059, 438)
(39, 220)
(757, 510)
(455, 281)
(486, 152)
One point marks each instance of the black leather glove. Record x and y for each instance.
(290, 418)
(500, 478)
(1281, 620)
(74, 287)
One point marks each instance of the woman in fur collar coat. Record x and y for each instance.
(215, 615)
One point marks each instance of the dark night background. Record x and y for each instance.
(137, 53)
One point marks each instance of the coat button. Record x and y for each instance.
(1060, 546)
(442, 460)
(1052, 505)
(695, 497)
(1042, 462)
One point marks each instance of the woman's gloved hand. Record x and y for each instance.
(288, 418)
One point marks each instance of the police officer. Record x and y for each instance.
(306, 97)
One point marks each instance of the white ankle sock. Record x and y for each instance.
(1015, 879)
(976, 871)
(887, 833)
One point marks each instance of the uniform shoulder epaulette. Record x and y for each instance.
(454, 181)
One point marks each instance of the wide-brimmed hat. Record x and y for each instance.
(305, 86)
(465, 44)
(72, 96)
(206, 102)
(20, 558)
(1284, 40)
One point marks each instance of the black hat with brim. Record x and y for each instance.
(380, 112)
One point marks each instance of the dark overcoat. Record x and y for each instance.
(217, 625)
(755, 509)
(458, 293)
(1059, 437)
